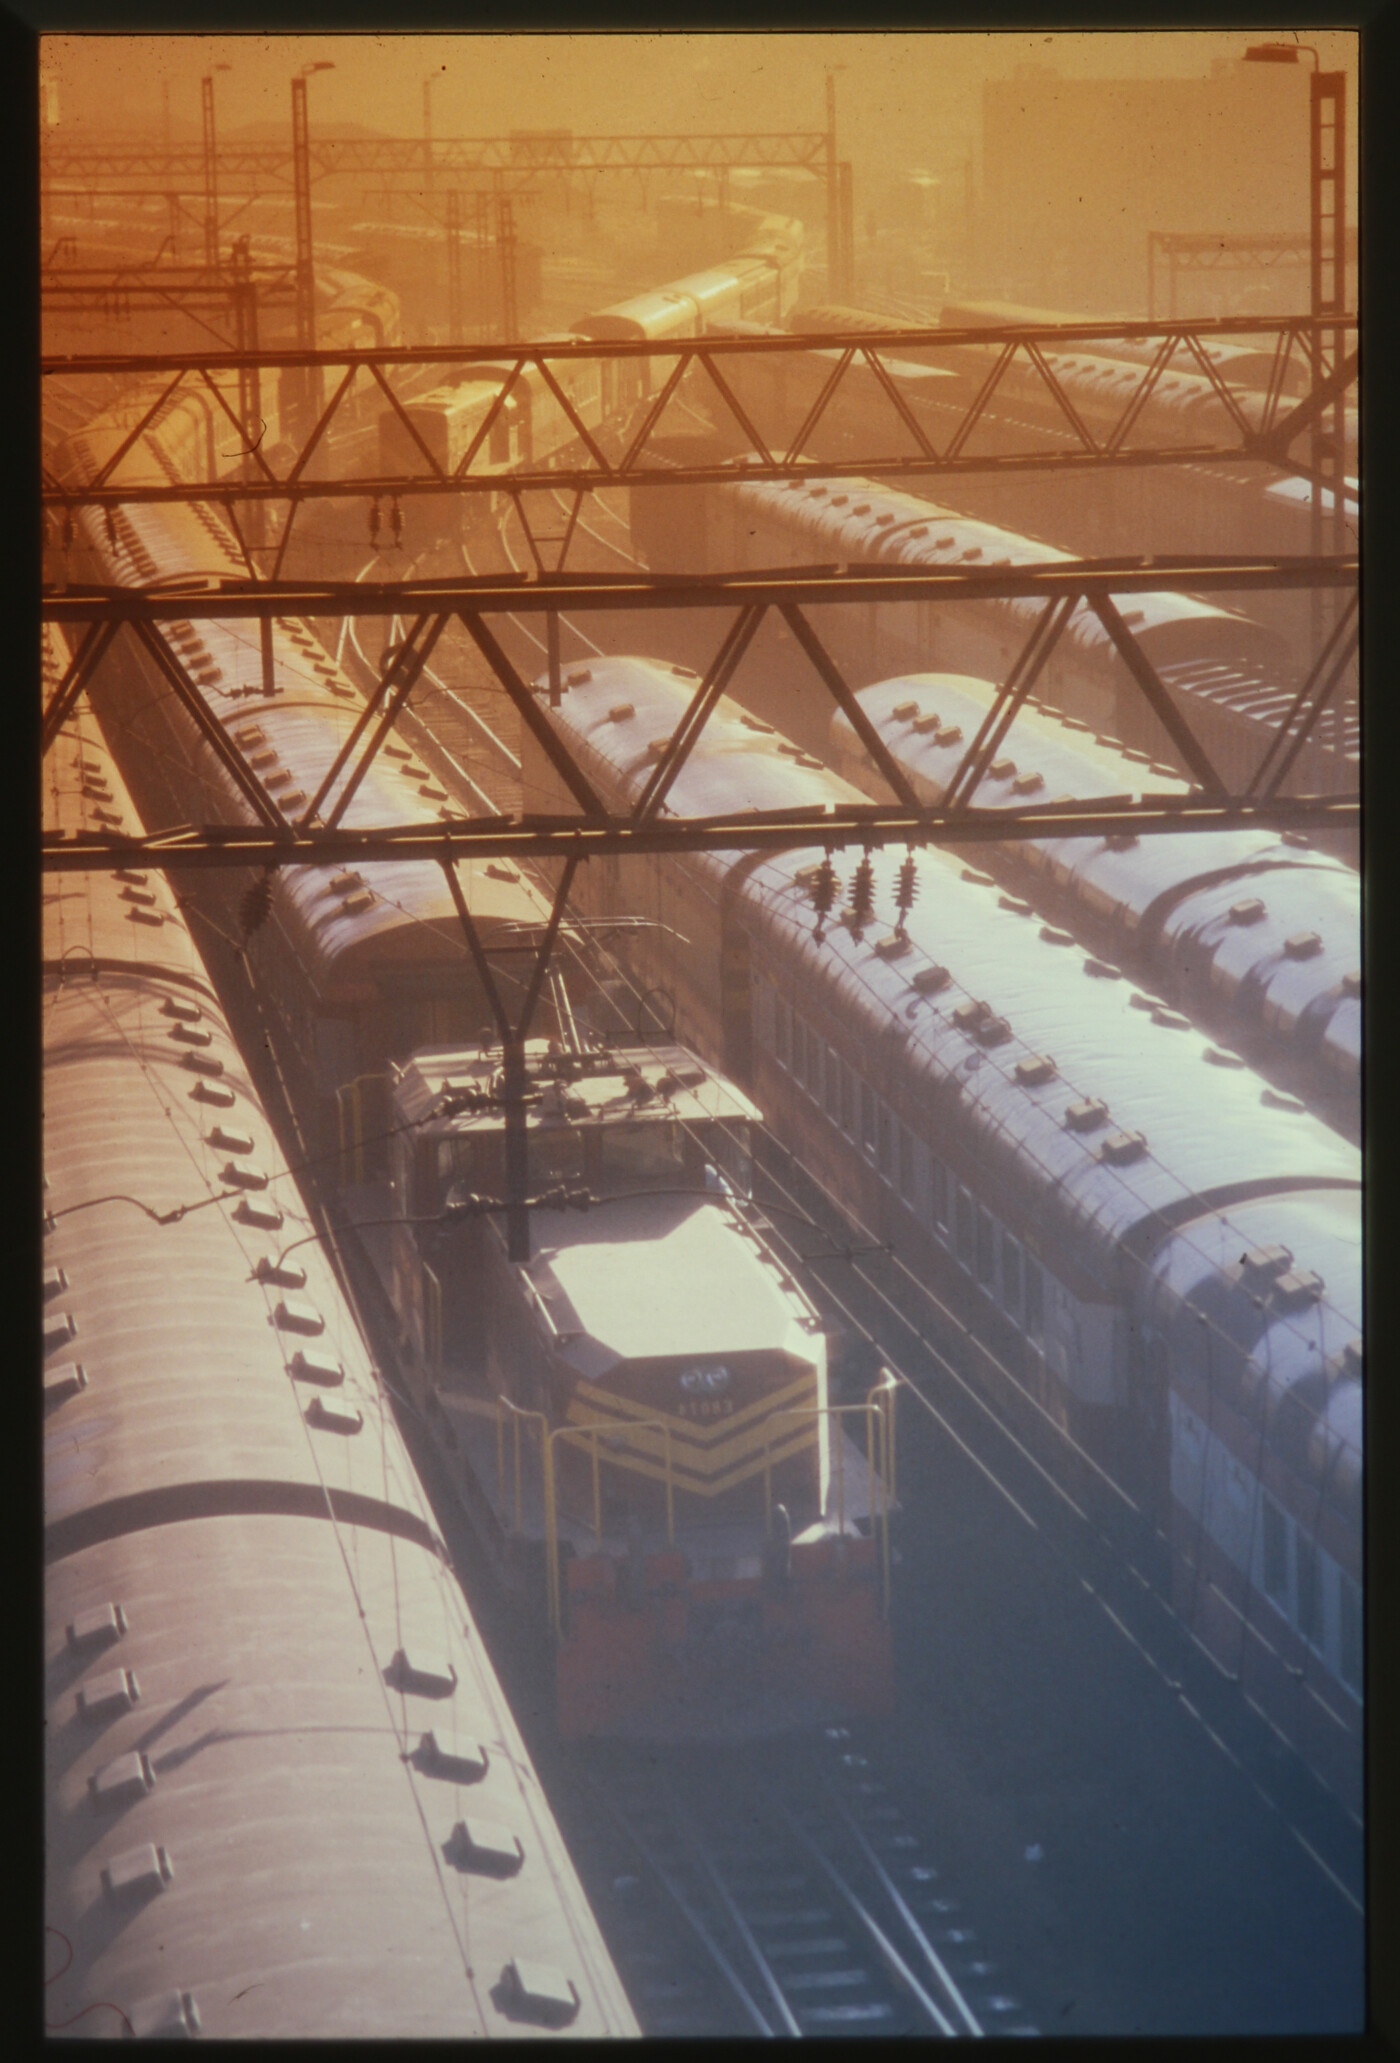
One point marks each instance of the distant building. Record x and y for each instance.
(1077, 172)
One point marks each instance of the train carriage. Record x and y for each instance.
(1257, 936)
(286, 1797)
(1054, 1150)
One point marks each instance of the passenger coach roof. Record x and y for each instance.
(1208, 1129)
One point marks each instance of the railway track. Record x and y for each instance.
(794, 1898)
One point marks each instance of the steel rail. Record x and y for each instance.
(901, 1906)
(692, 1918)
(889, 1955)
(791, 2025)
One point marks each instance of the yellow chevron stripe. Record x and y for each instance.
(714, 1486)
(700, 1457)
(694, 1430)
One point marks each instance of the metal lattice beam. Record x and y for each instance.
(878, 367)
(581, 593)
(357, 156)
(562, 838)
(600, 830)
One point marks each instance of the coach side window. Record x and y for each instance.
(1035, 1299)
(986, 1250)
(938, 1192)
(907, 1183)
(782, 1033)
(833, 1085)
(1011, 1277)
(967, 1229)
(1309, 1590)
(1275, 1554)
(799, 1049)
(888, 1131)
(867, 1120)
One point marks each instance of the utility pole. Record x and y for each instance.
(1327, 164)
(505, 240)
(211, 167)
(833, 196)
(308, 384)
(428, 85)
(454, 266)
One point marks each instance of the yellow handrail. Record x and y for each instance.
(878, 1409)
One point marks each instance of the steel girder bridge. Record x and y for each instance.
(319, 837)
(875, 364)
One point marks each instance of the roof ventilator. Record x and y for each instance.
(254, 1210)
(486, 1847)
(1119, 1148)
(117, 1783)
(105, 1696)
(294, 1314)
(929, 980)
(429, 1676)
(286, 1274)
(1034, 1069)
(454, 1757)
(335, 1414)
(1278, 1099)
(229, 1142)
(1303, 945)
(1247, 911)
(97, 1628)
(621, 712)
(65, 1382)
(309, 1366)
(1086, 1116)
(237, 1177)
(535, 1991)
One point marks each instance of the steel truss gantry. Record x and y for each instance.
(844, 359)
(319, 836)
(532, 151)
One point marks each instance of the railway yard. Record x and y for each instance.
(754, 1427)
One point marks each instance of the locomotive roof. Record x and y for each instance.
(1207, 1132)
(681, 1087)
(655, 1276)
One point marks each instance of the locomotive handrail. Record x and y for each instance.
(878, 1412)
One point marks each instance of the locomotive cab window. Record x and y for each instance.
(647, 1155)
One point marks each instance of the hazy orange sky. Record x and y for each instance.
(914, 98)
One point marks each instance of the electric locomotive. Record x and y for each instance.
(1069, 1167)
